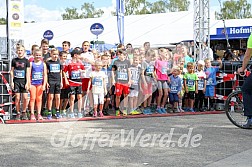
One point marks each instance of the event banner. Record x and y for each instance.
(15, 19)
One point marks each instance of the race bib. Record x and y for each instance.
(97, 82)
(55, 68)
(19, 74)
(149, 70)
(201, 84)
(37, 76)
(190, 83)
(75, 75)
(122, 76)
(173, 88)
(210, 81)
(164, 70)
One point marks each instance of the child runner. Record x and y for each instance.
(161, 67)
(175, 88)
(34, 47)
(121, 76)
(97, 79)
(64, 96)
(38, 83)
(134, 88)
(200, 96)
(20, 80)
(147, 76)
(75, 68)
(108, 73)
(211, 81)
(191, 87)
(54, 84)
(66, 48)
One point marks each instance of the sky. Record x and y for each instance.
(51, 10)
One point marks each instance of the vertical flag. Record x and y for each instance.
(15, 19)
(120, 19)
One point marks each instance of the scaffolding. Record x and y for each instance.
(201, 28)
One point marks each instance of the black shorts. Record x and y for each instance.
(65, 93)
(75, 90)
(108, 95)
(190, 95)
(54, 87)
(19, 87)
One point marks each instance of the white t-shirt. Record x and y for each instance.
(88, 66)
(202, 77)
(97, 81)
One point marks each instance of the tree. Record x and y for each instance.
(234, 10)
(71, 13)
(159, 7)
(89, 11)
(178, 5)
(138, 7)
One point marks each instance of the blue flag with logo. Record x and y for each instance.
(120, 19)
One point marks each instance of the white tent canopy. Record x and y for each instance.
(158, 29)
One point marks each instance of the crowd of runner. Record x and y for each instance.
(124, 81)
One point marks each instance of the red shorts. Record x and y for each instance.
(147, 90)
(121, 89)
(85, 84)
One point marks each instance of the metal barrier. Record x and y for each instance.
(226, 80)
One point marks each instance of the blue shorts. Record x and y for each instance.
(173, 97)
(210, 91)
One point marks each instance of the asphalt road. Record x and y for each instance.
(179, 141)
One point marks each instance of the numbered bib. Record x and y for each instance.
(210, 81)
(201, 84)
(149, 70)
(174, 89)
(55, 68)
(122, 76)
(37, 76)
(190, 83)
(19, 74)
(164, 70)
(97, 82)
(75, 75)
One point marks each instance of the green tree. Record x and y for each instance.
(178, 5)
(234, 10)
(89, 11)
(132, 6)
(71, 13)
(2, 21)
(138, 7)
(159, 7)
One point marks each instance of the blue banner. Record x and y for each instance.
(120, 19)
(235, 30)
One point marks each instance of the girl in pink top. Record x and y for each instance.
(161, 69)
